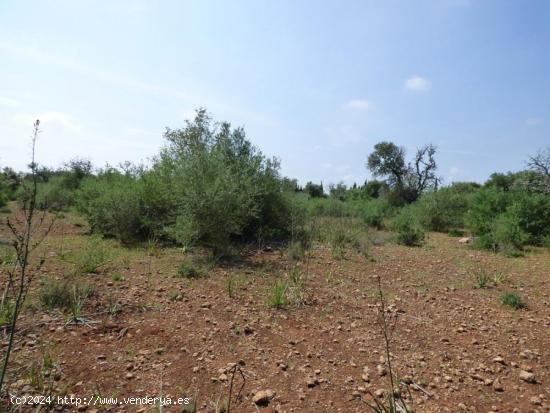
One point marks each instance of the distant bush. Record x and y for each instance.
(374, 212)
(112, 203)
(329, 207)
(442, 210)
(508, 220)
(408, 228)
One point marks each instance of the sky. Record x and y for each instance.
(314, 83)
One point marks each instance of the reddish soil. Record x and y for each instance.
(174, 337)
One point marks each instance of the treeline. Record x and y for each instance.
(210, 186)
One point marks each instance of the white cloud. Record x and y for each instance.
(534, 121)
(418, 84)
(4, 101)
(454, 171)
(358, 104)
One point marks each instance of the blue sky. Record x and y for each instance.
(316, 84)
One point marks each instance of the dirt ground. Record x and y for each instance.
(155, 334)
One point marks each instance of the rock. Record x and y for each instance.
(312, 382)
(499, 360)
(536, 401)
(263, 397)
(497, 385)
(379, 393)
(465, 240)
(527, 376)
(381, 370)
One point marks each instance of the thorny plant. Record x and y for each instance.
(394, 401)
(234, 370)
(27, 234)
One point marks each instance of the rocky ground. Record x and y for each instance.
(146, 332)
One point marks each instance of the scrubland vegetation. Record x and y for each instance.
(131, 242)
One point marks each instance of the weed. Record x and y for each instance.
(296, 250)
(175, 296)
(117, 277)
(512, 300)
(232, 286)
(498, 278)
(92, 257)
(114, 307)
(64, 295)
(277, 296)
(7, 307)
(296, 286)
(481, 278)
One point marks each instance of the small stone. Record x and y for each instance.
(129, 376)
(497, 385)
(527, 376)
(312, 382)
(536, 401)
(263, 397)
(381, 370)
(379, 393)
(499, 360)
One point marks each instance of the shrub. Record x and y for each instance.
(223, 184)
(409, 231)
(329, 207)
(112, 204)
(374, 212)
(54, 194)
(188, 270)
(512, 300)
(486, 205)
(508, 234)
(442, 210)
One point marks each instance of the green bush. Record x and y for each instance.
(443, 210)
(486, 205)
(374, 212)
(508, 220)
(329, 207)
(408, 229)
(512, 300)
(188, 270)
(225, 187)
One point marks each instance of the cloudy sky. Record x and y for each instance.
(316, 84)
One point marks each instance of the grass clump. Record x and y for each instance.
(95, 255)
(512, 300)
(277, 295)
(481, 278)
(65, 295)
